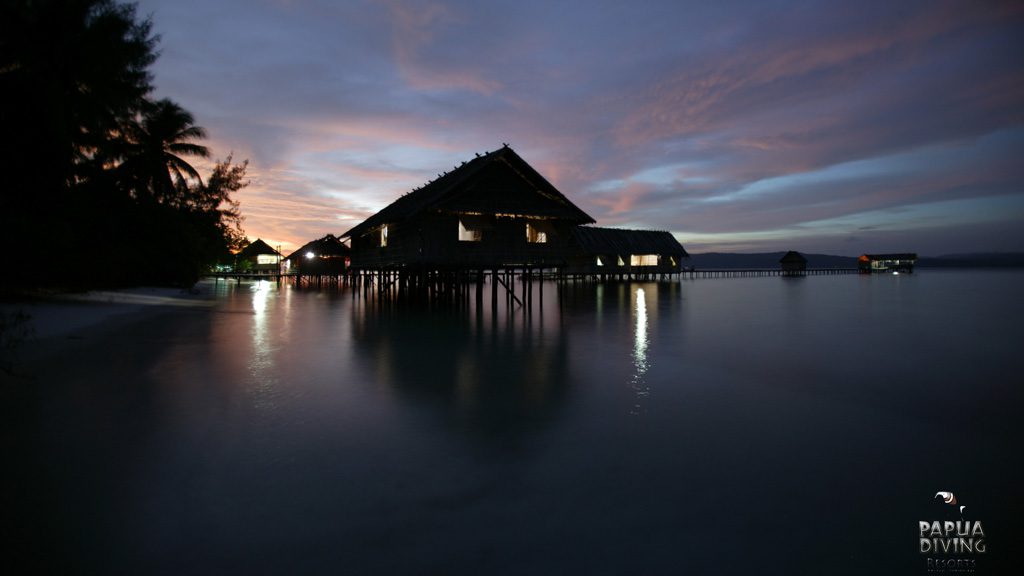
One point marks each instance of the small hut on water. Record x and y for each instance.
(258, 257)
(327, 256)
(793, 264)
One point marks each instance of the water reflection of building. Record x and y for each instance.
(488, 372)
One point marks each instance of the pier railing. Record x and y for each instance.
(555, 274)
(756, 272)
(515, 284)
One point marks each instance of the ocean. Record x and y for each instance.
(711, 426)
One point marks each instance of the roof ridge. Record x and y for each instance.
(449, 186)
(589, 227)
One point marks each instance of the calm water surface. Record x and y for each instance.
(755, 426)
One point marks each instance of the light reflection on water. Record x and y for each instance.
(356, 436)
(638, 383)
(261, 360)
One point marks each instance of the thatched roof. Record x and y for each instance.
(498, 182)
(256, 248)
(329, 245)
(596, 240)
(793, 257)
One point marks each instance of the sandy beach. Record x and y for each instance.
(40, 326)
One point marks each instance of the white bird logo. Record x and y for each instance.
(950, 499)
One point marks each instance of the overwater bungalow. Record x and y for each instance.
(880, 263)
(494, 211)
(327, 256)
(614, 252)
(258, 256)
(793, 264)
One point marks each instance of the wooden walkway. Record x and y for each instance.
(514, 285)
(756, 272)
(344, 279)
(313, 280)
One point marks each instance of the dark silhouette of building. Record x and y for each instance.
(494, 211)
(879, 263)
(613, 251)
(327, 256)
(793, 264)
(258, 257)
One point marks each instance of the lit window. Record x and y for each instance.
(469, 234)
(620, 262)
(643, 260)
(672, 260)
(599, 261)
(535, 236)
(383, 236)
(264, 259)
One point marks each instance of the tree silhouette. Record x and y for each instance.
(156, 144)
(96, 187)
(71, 72)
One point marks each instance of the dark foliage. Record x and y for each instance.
(97, 188)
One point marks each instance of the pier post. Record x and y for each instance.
(494, 289)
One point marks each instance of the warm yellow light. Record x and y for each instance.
(469, 234)
(643, 260)
(535, 236)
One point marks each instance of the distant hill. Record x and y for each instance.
(975, 260)
(712, 260)
(717, 260)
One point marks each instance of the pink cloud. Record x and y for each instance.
(723, 91)
(621, 201)
(415, 26)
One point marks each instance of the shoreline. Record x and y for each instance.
(40, 326)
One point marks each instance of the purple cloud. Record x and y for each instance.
(746, 118)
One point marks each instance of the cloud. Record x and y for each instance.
(744, 118)
(416, 26)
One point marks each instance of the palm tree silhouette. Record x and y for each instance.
(156, 146)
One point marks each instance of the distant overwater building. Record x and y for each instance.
(327, 256)
(258, 257)
(880, 263)
(793, 264)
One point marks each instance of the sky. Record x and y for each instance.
(749, 126)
